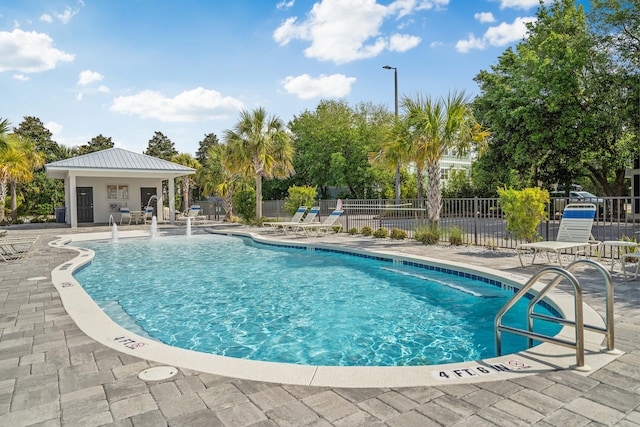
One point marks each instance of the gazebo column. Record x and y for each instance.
(72, 211)
(172, 201)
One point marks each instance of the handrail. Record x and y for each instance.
(578, 323)
(608, 329)
(579, 329)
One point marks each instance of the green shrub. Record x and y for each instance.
(455, 236)
(300, 196)
(398, 234)
(244, 203)
(381, 233)
(366, 231)
(429, 235)
(524, 210)
(353, 231)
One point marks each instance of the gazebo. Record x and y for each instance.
(99, 184)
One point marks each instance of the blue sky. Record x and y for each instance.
(128, 68)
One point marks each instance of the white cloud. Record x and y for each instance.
(20, 77)
(342, 31)
(87, 77)
(472, 42)
(403, 42)
(54, 128)
(484, 17)
(66, 16)
(284, 4)
(519, 4)
(506, 33)
(499, 35)
(29, 52)
(103, 89)
(307, 87)
(46, 18)
(189, 106)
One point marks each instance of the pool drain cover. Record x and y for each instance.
(158, 373)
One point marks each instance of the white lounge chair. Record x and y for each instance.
(148, 214)
(328, 224)
(125, 215)
(192, 213)
(296, 218)
(15, 248)
(574, 233)
(308, 219)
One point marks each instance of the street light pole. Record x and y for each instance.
(395, 80)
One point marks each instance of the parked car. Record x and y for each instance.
(560, 199)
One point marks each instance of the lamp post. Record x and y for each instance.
(395, 81)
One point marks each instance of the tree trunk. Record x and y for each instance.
(228, 206)
(3, 198)
(434, 195)
(14, 201)
(185, 191)
(258, 196)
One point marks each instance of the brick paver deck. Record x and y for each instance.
(52, 374)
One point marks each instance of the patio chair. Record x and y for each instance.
(328, 224)
(148, 214)
(628, 257)
(296, 218)
(192, 213)
(574, 233)
(125, 215)
(15, 248)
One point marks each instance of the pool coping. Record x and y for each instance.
(542, 358)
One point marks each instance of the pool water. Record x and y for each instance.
(234, 297)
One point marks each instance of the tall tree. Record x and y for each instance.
(97, 143)
(218, 177)
(559, 106)
(18, 163)
(4, 129)
(209, 141)
(41, 193)
(260, 146)
(161, 147)
(434, 128)
(32, 129)
(333, 144)
(185, 159)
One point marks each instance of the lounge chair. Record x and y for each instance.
(15, 248)
(574, 233)
(308, 219)
(328, 224)
(125, 215)
(192, 213)
(296, 218)
(148, 214)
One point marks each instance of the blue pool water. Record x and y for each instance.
(234, 297)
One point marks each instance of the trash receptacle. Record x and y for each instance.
(60, 215)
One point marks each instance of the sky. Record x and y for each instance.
(128, 68)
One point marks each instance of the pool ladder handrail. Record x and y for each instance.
(578, 323)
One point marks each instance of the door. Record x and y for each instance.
(84, 198)
(146, 194)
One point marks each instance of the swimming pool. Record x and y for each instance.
(293, 305)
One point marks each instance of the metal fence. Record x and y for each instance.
(481, 220)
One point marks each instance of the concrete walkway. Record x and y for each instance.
(53, 374)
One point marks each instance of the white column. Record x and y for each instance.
(72, 210)
(172, 201)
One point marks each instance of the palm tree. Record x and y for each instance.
(260, 146)
(185, 159)
(4, 128)
(432, 129)
(18, 162)
(218, 177)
